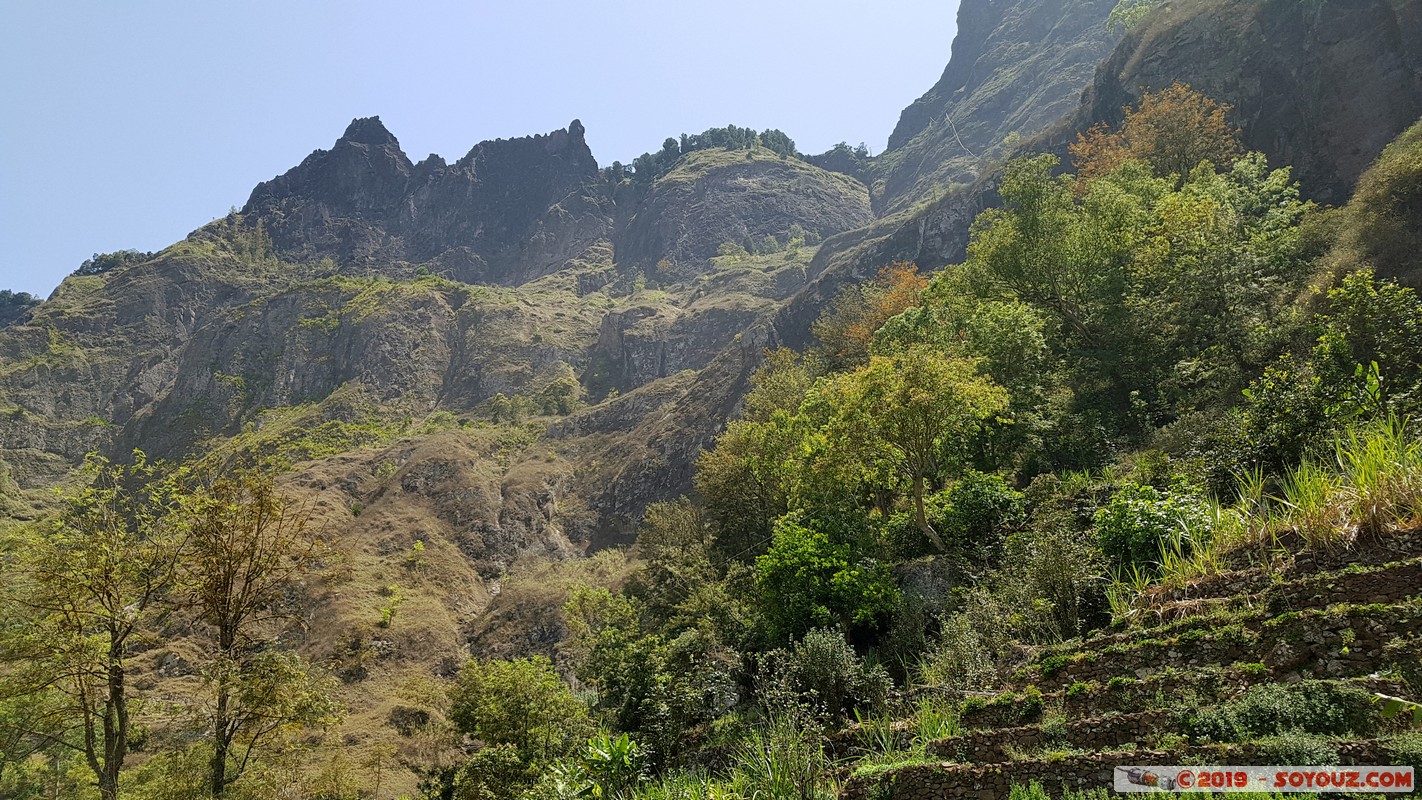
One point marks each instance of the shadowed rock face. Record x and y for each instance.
(1319, 86)
(510, 211)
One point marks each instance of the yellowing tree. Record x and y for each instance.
(78, 601)
(1172, 131)
(846, 329)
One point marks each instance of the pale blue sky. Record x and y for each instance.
(128, 124)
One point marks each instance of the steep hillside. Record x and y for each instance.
(1210, 672)
(718, 196)
(1017, 67)
(1299, 117)
(1322, 87)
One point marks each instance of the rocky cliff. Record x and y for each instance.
(1319, 86)
(508, 212)
(1017, 67)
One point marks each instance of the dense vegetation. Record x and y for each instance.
(1146, 366)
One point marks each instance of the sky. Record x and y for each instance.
(129, 124)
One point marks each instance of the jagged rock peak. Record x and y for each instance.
(566, 142)
(371, 131)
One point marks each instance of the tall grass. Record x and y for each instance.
(1382, 467)
(1367, 483)
(783, 761)
(934, 719)
(1315, 507)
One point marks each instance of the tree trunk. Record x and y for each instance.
(922, 518)
(221, 744)
(115, 721)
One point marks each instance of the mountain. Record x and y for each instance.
(1275, 62)
(500, 362)
(1017, 67)
(1321, 87)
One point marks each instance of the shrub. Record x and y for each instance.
(523, 703)
(1297, 750)
(1030, 705)
(105, 262)
(491, 773)
(806, 581)
(980, 510)
(1310, 707)
(823, 671)
(962, 658)
(1406, 750)
(1140, 519)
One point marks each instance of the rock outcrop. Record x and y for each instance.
(510, 211)
(718, 196)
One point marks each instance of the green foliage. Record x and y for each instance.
(1380, 224)
(980, 510)
(1140, 520)
(807, 580)
(1399, 708)
(107, 262)
(657, 686)
(650, 166)
(1297, 749)
(492, 773)
(1322, 708)
(964, 657)
(783, 759)
(823, 672)
(1364, 364)
(522, 703)
(1128, 13)
(612, 767)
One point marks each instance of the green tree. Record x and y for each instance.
(657, 683)
(914, 413)
(743, 482)
(806, 580)
(246, 549)
(521, 702)
(79, 597)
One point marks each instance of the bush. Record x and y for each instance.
(980, 510)
(823, 672)
(522, 703)
(1297, 750)
(1140, 519)
(964, 658)
(1309, 707)
(1405, 750)
(806, 581)
(491, 773)
(105, 262)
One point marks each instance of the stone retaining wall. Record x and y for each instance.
(991, 746)
(1398, 546)
(994, 781)
(1388, 584)
(1324, 647)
